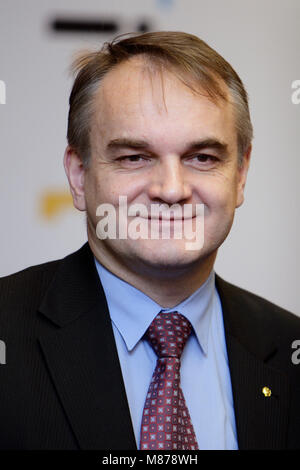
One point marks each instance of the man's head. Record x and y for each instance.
(159, 118)
(188, 57)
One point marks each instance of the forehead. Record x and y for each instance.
(134, 98)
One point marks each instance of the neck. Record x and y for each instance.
(165, 287)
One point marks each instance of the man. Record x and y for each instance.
(157, 120)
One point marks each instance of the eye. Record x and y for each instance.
(203, 158)
(202, 161)
(134, 161)
(132, 158)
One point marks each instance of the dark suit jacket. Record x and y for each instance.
(62, 387)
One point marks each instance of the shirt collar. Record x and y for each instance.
(132, 311)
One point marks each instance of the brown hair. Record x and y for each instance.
(190, 58)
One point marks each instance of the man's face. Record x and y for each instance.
(156, 142)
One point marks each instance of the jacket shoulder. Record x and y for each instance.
(21, 294)
(27, 282)
(252, 309)
(23, 291)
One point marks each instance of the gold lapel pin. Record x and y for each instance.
(266, 391)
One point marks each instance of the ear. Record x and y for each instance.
(242, 177)
(75, 173)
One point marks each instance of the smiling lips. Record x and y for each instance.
(170, 217)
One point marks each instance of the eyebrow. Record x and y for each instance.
(211, 143)
(128, 143)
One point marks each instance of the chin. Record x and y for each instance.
(165, 255)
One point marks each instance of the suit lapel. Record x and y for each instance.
(261, 420)
(80, 352)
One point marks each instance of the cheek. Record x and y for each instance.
(219, 203)
(219, 197)
(133, 187)
(108, 189)
(94, 195)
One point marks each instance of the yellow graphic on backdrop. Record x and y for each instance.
(53, 202)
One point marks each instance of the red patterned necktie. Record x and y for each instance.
(166, 422)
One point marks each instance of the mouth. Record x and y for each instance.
(169, 218)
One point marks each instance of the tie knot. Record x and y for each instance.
(168, 334)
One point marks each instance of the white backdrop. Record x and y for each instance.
(260, 38)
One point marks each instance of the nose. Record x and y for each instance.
(169, 183)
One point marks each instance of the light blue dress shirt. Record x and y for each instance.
(205, 377)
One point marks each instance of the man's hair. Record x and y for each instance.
(195, 63)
